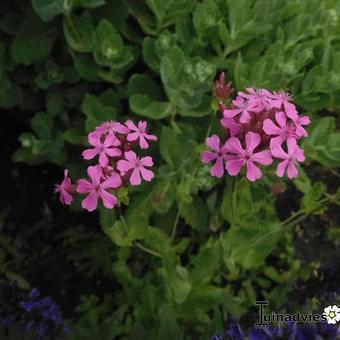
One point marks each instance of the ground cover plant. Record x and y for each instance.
(195, 146)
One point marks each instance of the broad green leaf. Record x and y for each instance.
(144, 106)
(195, 214)
(311, 197)
(48, 9)
(33, 42)
(248, 245)
(78, 32)
(323, 143)
(145, 85)
(108, 44)
(96, 112)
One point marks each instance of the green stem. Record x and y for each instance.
(147, 250)
(174, 228)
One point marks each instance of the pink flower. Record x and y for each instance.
(132, 162)
(282, 132)
(139, 132)
(299, 121)
(231, 125)
(257, 97)
(243, 107)
(97, 188)
(111, 127)
(241, 157)
(103, 149)
(294, 155)
(218, 154)
(281, 98)
(64, 189)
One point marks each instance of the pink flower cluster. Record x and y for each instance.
(114, 145)
(260, 126)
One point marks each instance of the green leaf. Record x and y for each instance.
(169, 145)
(248, 245)
(33, 42)
(124, 234)
(78, 32)
(108, 44)
(96, 112)
(323, 143)
(243, 202)
(143, 84)
(144, 106)
(309, 200)
(48, 9)
(43, 125)
(54, 102)
(196, 214)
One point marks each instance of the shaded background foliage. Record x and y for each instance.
(68, 65)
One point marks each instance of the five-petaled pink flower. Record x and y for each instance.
(139, 132)
(103, 149)
(241, 157)
(282, 98)
(97, 188)
(282, 132)
(218, 154)
(243, 107)
(111, 127)
(64, 189)
(137, 166)
(290, 158)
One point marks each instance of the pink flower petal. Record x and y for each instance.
(90, 202)
(292, 146)
(111, 140)
(234, 166)
(131, 125)
(278, 152)
(109, 200)
(262, 157)
(231, 113)
(84, 186)
(280, 170)
(281, 119)
(114, 181)
(270, 128)
(213, 142)
(147, 175)
(150, 137)
(143, 143)
(218, 168)
(103, 160)
(233, 145)
(252, 141)
(133, 136)
(90, 153)
(146, 161)
(124, 166)
(95, 173)
(130, 156)
(65, 197)
(94, 139)
(253, 172)
(292, 171)
(113, 152)
(208, 156)
(120, 128)
(135, 178)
